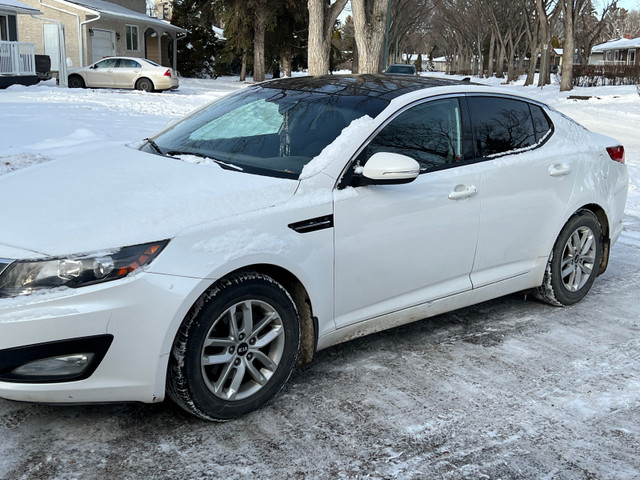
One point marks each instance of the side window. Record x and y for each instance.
(430, 133)
(500, 125)
(108, 63)
(127, 63)
(541, 123)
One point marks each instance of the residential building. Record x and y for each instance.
(94, 29)
(17, 60)
(619, 51)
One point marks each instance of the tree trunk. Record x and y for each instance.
(286, 61)
(500, 61)
(318, 55)
(492, 47)
(532, 65)
(259, 29)
(370, 22)
(321, 21)
(243, 70)
(566, 83)
(356, 59)
(511, 57)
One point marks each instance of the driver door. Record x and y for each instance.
(401, 246)
(101, 74)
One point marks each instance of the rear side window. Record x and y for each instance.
(541, 123)
(501, 125)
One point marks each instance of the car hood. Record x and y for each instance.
(120, 196)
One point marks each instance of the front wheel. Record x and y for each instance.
(237, 348)
(574, 261)
(75, 81)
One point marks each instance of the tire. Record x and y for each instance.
(247, 329)
(574, 261)
(145, 85)
(76, 81)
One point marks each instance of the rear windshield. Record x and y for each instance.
(266, 131)
(405, 70)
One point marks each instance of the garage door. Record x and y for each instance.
(102, 44)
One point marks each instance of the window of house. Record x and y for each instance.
(632, 57)
(501, 125)
(4, 28)
(430, 133)
(132, 37)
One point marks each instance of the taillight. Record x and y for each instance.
(616, 153)
(167, 73)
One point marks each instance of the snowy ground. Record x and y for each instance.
(509, 389)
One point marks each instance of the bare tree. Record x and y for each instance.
(409, 27)
(369, 21)
(590, 28)
(322, 18)
(507, 20)
(548, 13)
(571, 10)
(621, 22)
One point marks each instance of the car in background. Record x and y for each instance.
(401, 69)
(283, 219)
(124, 72)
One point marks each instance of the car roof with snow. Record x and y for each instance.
(385, 87)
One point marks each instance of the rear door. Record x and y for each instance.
(126, 73)
(526, 186)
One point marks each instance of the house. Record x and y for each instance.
(17, 59)
(620, 51)
(94, 29)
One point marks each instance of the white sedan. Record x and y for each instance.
(124, 72)
(283, 219)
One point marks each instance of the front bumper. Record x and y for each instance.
(142, 313)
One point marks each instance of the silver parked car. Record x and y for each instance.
(124, 72)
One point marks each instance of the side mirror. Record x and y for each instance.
(385, 168)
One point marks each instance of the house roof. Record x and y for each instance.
(113, 10)
(617, 44)
(18, 7)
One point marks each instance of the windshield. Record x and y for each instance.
(265, 131)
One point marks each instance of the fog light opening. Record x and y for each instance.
(63, 366)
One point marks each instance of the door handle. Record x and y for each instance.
(559, 169)
(462, 191)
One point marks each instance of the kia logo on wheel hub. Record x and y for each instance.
(243, 348)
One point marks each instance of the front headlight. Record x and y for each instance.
(26, 276)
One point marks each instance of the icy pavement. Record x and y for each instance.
(509, 389)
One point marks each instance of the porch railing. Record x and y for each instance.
(17, 58)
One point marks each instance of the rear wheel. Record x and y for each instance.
(574, 261)
(144, 84)
(236, 350)
(76, 81)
